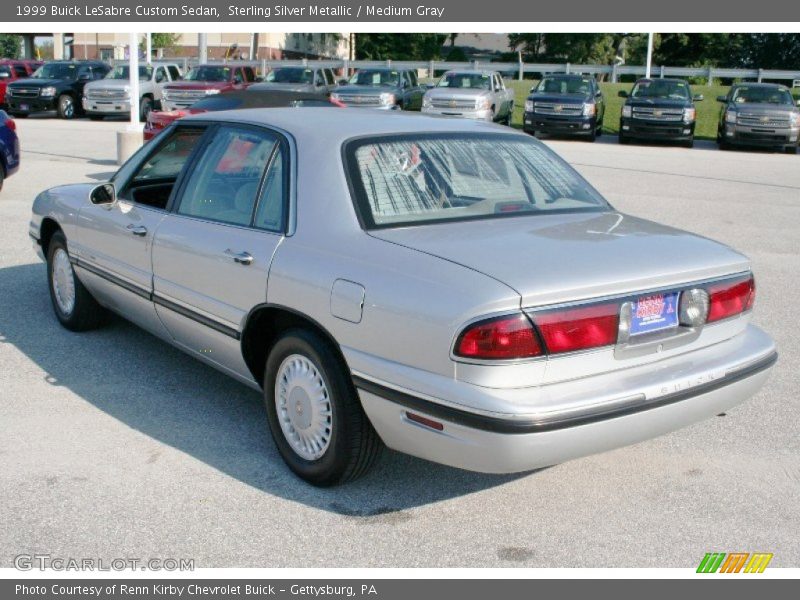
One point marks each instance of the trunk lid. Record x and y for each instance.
(550, 259)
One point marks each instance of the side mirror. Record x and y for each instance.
(622, 94)
(105, 193)
(598, 94)
(85, 77)
(722, 99)
(698, 98)
(5, 75)
(343, 82)
(798, 103)
(430, 86)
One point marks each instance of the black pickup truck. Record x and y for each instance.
(56, 85)
(659, 109)
(565, 105)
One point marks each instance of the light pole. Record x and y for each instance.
(649, 55)
(130, 140)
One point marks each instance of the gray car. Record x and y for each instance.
(112, 95)
(383, 88)
(472, 95)
(759, 114)
(449, 288)
(298, 79)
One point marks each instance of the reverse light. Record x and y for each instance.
(579, 328)
(731, 298)
(500, 338)
(693, 307)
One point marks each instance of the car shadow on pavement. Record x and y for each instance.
(158, 390)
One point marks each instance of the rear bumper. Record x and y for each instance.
(656, 130)
(615, 409)
(533, 122)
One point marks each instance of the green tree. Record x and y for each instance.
(399, 46)
(10, 45)
(769, 51)
(579, 48)
(165, 41)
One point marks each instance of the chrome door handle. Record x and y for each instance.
(242, 258)
(139, 230)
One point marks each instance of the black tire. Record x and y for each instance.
(688, 143)
(145, 107)
(2, 177)
(353, 444)
(86, 313)
(592, 136)
(65, 107)
(623, 139)
(790, 149)
(510, 115)
(19, 115)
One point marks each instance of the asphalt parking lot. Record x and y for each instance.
(113, 444)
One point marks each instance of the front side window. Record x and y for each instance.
(426, 178)
(225, 181)
(152, 181)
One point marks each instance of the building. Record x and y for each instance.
(252, 46)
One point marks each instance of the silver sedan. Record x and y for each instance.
(448, 288)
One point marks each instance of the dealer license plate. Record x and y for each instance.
(654, 313)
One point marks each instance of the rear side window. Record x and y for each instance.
(249, 74)
(20, 70)
(272, 202)
(423, 178)
(225, 181)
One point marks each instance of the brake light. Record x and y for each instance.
(730, 298)
(11, 124)
(500, 338)
(579, 328)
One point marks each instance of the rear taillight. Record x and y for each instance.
(730, 298)
(501, 338)
(579, 328)
(11, 124)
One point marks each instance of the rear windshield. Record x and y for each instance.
(426, 178)
(761, 95)
(218, 102)
(564, 85)
(659, 88)
(290, 75)
(479, 81)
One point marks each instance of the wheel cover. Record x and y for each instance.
(63, 280)
(68, 106)
(303, 406)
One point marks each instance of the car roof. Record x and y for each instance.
(310, 125)
(673, 79)
(568, 76)
(472, 71)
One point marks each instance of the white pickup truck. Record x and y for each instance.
(471, 94)
(112, 95)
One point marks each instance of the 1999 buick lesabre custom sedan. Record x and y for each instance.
(450, 288)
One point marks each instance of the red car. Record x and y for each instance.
(159, 120)
(11, 70)
(206, 80)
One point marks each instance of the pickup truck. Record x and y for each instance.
(659, 109)
(12, 70)
(383, 88)
(759, 114)
(478, 95)
(57, 85)
(206, 80)
(309, 80)
(112, 95)
(565, 105)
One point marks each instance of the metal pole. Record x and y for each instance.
(133, 71)
(202, 48)
(148, 52)
(649, 55)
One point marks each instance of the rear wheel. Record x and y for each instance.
(74, 306)
(316, 418)
(2, 177)
(66, 106)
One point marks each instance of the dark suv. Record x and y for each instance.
(565, 104)
(759, 114)
(56, 85)
(659, 109)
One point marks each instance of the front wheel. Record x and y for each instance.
(688, 143)
(790, 149)
(623, 139)
(66, 106)
(316, 418)
(145, 107)
(74, 306)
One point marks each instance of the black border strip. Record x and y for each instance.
(145, 293)
(518, 426)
